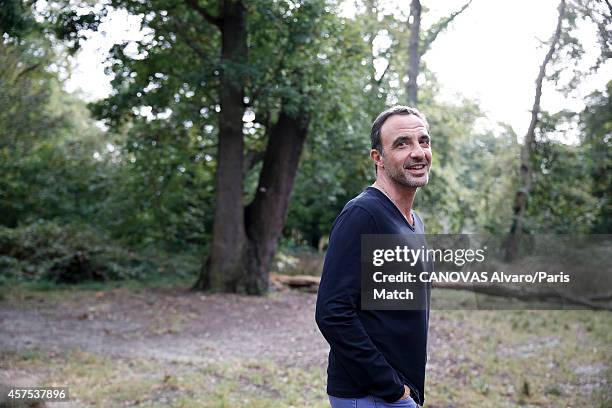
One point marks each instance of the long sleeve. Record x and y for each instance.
(338, 301)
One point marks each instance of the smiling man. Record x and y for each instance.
(377, 357)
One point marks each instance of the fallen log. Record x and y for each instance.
(601, 296)
(523, 294)
(304, 282)
(311, 284)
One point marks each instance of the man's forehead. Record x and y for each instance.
(401, 125)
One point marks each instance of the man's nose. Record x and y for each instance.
(417, 153)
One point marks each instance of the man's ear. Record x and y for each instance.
(377, 158)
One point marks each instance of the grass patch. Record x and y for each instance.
(523, 358)
(97, 381)
(16, 290)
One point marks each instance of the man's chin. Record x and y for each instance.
(419, 181)
(415, 183)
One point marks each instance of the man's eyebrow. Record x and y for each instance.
(401, 139)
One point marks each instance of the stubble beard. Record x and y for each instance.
(407, 180)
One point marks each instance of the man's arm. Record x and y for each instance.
(337, 304)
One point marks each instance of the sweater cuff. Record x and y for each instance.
(395, 396)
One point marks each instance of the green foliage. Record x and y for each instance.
(47, 251)
(56, 164)
(27, 92)
(47, 141)
(15, 18)
(596, 122)
(560, 199)
(162, 188)
(571, 182)
(470, 183)
(472, 170)
(334, 168)
(66, 254)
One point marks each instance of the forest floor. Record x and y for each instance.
(169, 347)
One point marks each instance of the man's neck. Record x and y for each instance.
(402, 196)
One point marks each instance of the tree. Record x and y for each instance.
(564, 52)
(253, 77)
(420, 43)
(241, 261)
(522, 193)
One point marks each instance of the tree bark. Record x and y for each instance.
(266, 214)
(224, 269)
(525, 171)
(413, 52)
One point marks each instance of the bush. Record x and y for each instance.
(70, 253)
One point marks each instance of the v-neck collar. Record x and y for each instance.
(412, 227)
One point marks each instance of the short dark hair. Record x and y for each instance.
(381, 119)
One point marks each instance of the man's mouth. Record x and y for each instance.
(417, 167)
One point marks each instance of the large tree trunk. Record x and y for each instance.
(522, 193)
(265, 216)
(245, 239)
(224, 269)
(413, 52)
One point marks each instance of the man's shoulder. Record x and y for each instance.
(359, 212)
(367, 201)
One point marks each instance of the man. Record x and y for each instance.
(377, 357)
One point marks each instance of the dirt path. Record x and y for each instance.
(173, 325)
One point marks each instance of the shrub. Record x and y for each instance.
(68, 253)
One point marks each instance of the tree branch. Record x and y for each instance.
(252, 157)
(535, 110)
(440, 26)
(379, 80)
(189, 41)
(210, 63)
(25, 71)
(275, 73)
(205, 14)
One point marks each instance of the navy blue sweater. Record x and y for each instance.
(372, 352)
